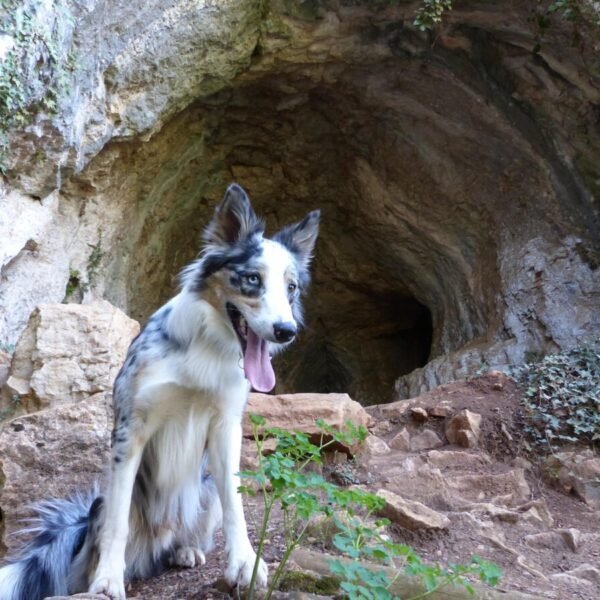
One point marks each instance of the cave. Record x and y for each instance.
(457, 203)
(393, 276)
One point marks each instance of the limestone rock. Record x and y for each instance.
(411, 514)
(381, 428)
(510, 487)
(300, 411)
(50, 454)
(375, 445)
(441, 410)
(419, 414)
(572, 537)
(425, 440)
(453, 459)
(586, 571)
(578, 472)
(537, 511)
(401, 441)
(464, 428)
(569, 579)
(560, 539)
(69, 352)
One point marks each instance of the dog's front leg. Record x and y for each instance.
(224, 447)
(109, 576)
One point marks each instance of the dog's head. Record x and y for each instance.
(254, 281)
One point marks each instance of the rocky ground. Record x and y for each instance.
(457, 473)
(491, 499)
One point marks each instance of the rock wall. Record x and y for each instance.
(457, 173)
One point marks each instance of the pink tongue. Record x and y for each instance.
(257, 363)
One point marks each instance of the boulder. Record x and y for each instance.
(441, 410)
(425, 440)
(560, 539)
(50, 454)
(375, 445)
(300, 411)
(411, 514)
(401, 441)
(577, 472)
(464, 428)
(419, 414)
(587, 572)
(509, 488)
(67, 353)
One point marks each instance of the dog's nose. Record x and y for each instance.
(284, 332)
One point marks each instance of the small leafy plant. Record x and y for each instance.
(361, 543)
(8, 411)
(8, 348)
(286, 478)
(576, 10)
(562, 396)
(283, 479)
(431, 13)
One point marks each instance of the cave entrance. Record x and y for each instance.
(360, 346)
(392, 278)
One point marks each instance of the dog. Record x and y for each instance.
(178, 405)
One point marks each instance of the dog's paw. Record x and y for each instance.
(111, 586)
(239, 570)
(189, 557)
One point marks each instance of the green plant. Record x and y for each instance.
(74, 283)
(361, 542)
(94, 260)
(561, 396)
(431, 13)
(284, 477)
(576, 10)
(8, 411)
(8, 348)
(363, 583)
(581, 12)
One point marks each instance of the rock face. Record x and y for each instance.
(456, 171)
(51, 454)
(67, 353)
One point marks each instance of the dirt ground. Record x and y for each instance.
(485, 518)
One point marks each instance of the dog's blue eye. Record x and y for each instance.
(253, 279)
(291, 287)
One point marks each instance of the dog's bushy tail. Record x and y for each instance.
(43, 567)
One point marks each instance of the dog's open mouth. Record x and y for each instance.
(257, 362)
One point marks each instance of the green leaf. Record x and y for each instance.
(489, 572)
(257, 420)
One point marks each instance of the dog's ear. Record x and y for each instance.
(299, 238)
(234, 219)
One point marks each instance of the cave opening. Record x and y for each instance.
(401, 254)
(359, 346)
